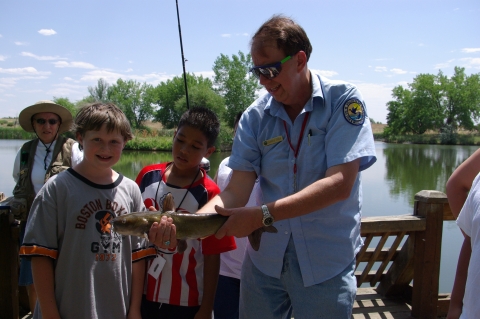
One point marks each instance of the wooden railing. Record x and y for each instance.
(412, 256)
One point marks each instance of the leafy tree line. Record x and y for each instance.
(435, 102)
(232, 90)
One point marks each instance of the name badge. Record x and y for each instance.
(274, 140)
(156, 267)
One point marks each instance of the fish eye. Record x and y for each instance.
(124, 221)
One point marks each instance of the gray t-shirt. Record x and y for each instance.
(69, 222)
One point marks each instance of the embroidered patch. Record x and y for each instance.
(354, 112)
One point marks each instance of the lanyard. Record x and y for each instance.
(295, 151)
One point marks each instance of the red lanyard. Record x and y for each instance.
(295, 151)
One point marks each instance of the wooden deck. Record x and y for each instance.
(397, 270)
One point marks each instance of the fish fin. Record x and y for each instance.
(168, 203)
(270, 229)
(181, 245)
(256, 236)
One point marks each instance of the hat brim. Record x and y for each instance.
(45, 106)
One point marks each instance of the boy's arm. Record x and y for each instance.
(458, 291)
(44, 280)
(211, 269)
(138, 277)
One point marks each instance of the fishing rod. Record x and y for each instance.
(183, 58)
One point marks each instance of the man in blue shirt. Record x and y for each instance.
(307, 139)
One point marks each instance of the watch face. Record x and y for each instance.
(268, 221)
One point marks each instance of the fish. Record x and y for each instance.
(188, 226)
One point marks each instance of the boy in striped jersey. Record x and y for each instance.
(182, 285)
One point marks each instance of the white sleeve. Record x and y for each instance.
(77, 154)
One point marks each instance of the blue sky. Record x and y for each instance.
(60, 47)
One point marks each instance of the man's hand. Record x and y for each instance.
(241, 222)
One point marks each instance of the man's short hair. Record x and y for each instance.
(288, 35)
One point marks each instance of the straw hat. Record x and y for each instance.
(25, 117)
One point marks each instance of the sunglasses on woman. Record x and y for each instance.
(269, 71)
(43, 121)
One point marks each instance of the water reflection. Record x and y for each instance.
(410, 168)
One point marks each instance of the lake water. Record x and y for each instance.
(389, 186)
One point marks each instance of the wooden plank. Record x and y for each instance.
(382, 224)
(428, 244)
(369, 304)
(384, 253)
(370, 263)
(389, 257)
(400, 273)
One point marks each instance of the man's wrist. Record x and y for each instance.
(267, 218)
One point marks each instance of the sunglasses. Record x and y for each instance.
(43, 121)
(269, 71)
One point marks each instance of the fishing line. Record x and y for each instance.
(183, 58)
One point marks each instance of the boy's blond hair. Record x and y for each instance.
(92, 116)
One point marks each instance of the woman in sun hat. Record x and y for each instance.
(37, 160)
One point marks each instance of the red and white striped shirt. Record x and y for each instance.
(181, 279)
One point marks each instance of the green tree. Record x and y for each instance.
(171, 99)
(435, 102)
(235, 84)
(65, 102)
(99, 92)
(461, 102)
(135, 100)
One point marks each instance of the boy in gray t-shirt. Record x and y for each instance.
(81, 268)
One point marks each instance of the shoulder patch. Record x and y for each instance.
(354, 112)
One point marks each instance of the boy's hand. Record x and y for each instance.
(163, 234)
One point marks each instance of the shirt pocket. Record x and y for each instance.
(314, 153)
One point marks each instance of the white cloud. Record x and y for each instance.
(20, 43)
(421, 45)
(67, 78)
(23, 71)
(226, 35)
(129, 70)
(472, 62)
(47, 32)
(112, 77)
(376, 97)
(471, 50)
(79, 65)
(3, 58)
(1, 36)
(381, 69)
(398, 71)
(443, 65)
(41, 58)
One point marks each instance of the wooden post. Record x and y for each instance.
(9, 234)
(430, 205)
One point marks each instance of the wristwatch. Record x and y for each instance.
(267, 217)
